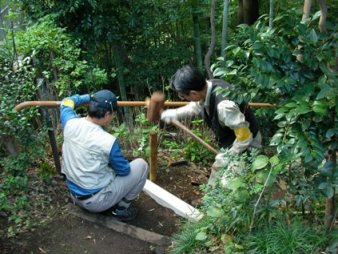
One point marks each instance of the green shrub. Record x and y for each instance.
(281, 237)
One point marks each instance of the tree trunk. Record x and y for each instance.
(306, 10)
(122, 84)
(224, 27)
(10, 145)
(15, 53)
(330, 204)
(331, 208)
(271, 14)
(306, 15)
(212, 40)
(197, 35)
(248, 11)
(323, 15)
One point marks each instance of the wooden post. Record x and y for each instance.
(153, 155)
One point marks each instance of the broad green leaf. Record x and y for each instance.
(235, 183)
(201, 236)
(302, 110)
(241, 195)
(262, 176)
(323, 185)
(313, 38)
(236, 51)
(274, 160)
(324, 92)
(260, 162)
(327, 168)
(225, 238)
(320, 107)
(279, 116)
(214, 212)
(291, 105)
(330, 133)
(279, 168)
(282, 124)
(232, 73)
(276, 139)
(328, 191)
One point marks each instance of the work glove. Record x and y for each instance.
(212, 178)
(168, 115)
(220, 162)
(233, 169)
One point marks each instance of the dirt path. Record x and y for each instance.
(71, 234)
(67, 233)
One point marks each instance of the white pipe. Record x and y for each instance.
(166, 199)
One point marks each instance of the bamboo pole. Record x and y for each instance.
(25, 104)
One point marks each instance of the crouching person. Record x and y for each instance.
(97, 174)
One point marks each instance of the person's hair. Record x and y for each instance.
(97, 112)
(188, 78)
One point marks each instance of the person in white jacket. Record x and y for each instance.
(235, 126)
(98, 175)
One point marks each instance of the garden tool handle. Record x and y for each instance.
(193, 135)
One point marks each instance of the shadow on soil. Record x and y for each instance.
(65, 233)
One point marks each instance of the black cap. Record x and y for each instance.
(105, 99)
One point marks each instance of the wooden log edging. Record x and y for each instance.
(120, 227)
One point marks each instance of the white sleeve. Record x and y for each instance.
(191, 109)
(231, 116)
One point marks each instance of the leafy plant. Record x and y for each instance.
(279, 66)
(188, 238)
(57, 58)
(281, 237)
(243, 200)
(46, 172)
(195, 151)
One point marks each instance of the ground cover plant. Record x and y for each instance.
(264, 63)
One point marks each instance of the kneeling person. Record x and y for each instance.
(98, 175)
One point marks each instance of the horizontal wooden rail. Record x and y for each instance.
(123, 104)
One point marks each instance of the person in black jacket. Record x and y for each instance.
(235, 126)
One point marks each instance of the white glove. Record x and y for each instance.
(212, 178)
(233, 168)
(168, 115)
(221, 160)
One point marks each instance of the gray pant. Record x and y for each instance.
(128, 187)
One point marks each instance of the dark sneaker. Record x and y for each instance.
(126, 214)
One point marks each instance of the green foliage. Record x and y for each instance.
(16, 165)
(282, 238)
(57, 58)
(243, 201)
(173, 146)
(186, 241)
(46, 172)
(142, 135)
(280, 66)
(14, 182)
(13, 187)
(195, 151)
(17, 84)
(121, 130)
(108, 28)
(136, 141)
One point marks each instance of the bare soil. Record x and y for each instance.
(65, 233)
